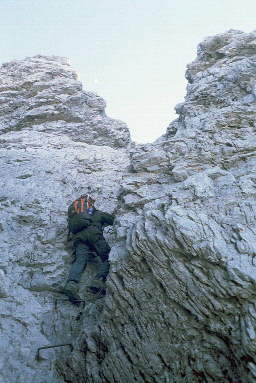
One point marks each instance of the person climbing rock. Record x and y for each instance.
(86, 225)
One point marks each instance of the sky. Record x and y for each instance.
(133, 53)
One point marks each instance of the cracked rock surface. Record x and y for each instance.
(43, 93)
(180, 304)
(46, 163)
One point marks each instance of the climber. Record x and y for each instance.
(86, 225)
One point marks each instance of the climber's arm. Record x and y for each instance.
(108, 219)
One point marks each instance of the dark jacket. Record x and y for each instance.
(85, 226)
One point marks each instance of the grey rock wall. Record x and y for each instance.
(43, 93)
(45, 164)
(180, 303)
(181, 295)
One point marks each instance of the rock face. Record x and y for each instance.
(180, 303)
(43, 93)
(46, 162)
(181, 295)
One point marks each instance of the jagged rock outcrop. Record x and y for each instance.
(181, 295)
(180, 303)
(43, 93)
(46, 162)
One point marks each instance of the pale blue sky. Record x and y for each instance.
(133, 53)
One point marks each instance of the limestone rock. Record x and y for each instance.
(3, 285)
(180, 303)
(43, 94)
(181, 296)
(45, 164)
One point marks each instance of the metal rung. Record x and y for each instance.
(53, 346)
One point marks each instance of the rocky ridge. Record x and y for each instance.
(180, 304)
(181, 296)
(45, 163)
(43, 93)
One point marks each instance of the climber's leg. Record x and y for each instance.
(82, 254)
(102, 249)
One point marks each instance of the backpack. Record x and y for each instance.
(77, 217)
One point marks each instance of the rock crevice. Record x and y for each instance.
(180, 303)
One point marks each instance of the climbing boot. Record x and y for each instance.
(71, 291)
(103, 271)
(97, 287)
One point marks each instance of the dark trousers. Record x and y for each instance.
(83, 253)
